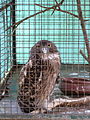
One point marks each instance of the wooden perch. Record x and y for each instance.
(84, 32)
(65, 102)
(70, 102)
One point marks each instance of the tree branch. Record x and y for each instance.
(6, 6)
(60, 11)
(83, 29)
(70, 102)
(58, 6)
(65, 102)
(42, 11)
(84, 56)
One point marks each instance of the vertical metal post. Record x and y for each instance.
(14, 34)
(0, 55)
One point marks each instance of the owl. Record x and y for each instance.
(38, 76)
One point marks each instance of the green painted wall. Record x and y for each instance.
(61, 28)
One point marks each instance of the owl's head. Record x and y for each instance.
(44, 47)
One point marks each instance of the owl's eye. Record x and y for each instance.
(38, 45)
(49, 45)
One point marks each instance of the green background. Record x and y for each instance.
(61, 28)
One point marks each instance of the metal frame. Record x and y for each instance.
(14, 33)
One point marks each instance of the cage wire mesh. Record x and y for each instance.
(5, 43)
(63, 26)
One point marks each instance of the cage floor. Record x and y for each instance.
(9, 106)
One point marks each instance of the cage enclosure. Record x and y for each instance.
(64, 23)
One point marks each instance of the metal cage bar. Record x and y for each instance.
(14, 33)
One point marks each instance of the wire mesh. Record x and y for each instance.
(5, 42)
(61, 25)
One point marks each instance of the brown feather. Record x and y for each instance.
(37, 79)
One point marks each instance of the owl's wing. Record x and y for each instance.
(25, 92)
(36, 82)
(23, 72)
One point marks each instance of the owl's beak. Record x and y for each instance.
(45, 50)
